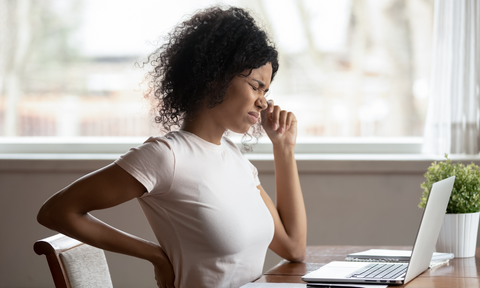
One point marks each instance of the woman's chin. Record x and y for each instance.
(242, 130)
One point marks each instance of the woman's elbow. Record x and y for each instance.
(296, 253)
(297, 256)
(43, 216)
(50, 213)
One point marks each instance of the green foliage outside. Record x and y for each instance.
(465, 196)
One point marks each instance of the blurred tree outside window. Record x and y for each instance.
(348, 68)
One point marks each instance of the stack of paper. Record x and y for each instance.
(395, 256)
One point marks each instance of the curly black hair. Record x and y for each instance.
(200, 58)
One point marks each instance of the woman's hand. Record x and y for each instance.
(164, 273)
(280, 125)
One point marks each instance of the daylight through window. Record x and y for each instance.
(347, 68)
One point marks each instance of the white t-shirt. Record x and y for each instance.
(204, 208)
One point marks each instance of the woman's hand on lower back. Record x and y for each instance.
(164, 273)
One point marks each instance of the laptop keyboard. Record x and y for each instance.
(380, 271)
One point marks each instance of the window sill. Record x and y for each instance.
(307, 163)
(119, 145)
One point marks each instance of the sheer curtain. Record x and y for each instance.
(452, 124)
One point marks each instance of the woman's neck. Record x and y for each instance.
(204, 128)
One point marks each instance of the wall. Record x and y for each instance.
(361, 200)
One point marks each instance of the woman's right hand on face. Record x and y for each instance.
(164, 273)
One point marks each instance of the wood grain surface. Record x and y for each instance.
(459, 272)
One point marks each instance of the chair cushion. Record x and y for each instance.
(86, 267)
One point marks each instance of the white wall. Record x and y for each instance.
(349, 202)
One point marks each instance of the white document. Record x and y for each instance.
(388, 255)
(294, 285)
(273, 285)
(354, 285)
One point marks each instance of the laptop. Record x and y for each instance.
(395, 273)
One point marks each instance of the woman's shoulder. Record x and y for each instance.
(179, 140)
(168, 139)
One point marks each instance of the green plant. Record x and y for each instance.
(465, 196)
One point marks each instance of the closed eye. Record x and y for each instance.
(258, 89)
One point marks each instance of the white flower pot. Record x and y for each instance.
(459, 235)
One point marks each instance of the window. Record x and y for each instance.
(347, 68)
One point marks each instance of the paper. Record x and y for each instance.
(274, 285)
(293, 285)
(347, 285)
(387, 255)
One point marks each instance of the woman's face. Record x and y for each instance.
(244, 100)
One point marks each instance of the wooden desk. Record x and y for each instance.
(457, 273)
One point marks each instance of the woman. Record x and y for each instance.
(202, 198)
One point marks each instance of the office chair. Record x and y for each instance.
(74, 264)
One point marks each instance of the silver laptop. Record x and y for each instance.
(394, 273)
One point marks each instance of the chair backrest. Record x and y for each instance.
(74, 264)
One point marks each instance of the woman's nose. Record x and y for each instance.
(262, 103)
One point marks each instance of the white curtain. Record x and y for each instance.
(452, 124)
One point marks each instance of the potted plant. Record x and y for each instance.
(460, 225)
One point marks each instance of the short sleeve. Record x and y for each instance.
(255, 174)
(152, 164)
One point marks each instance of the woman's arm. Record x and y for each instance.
(289, 214)
(68, 212)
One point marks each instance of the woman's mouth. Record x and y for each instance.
(254, 116)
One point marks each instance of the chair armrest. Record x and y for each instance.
(51, 247)
(55, 244)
